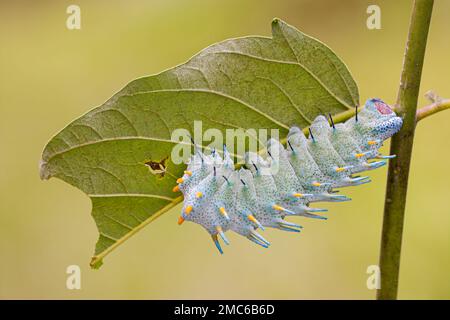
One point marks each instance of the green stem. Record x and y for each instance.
(401, 145)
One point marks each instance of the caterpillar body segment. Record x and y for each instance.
(284, 183)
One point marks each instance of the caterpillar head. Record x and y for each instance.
(378, 118)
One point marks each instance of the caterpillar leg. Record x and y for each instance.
(308, 214)
(330, 198)
(288, 226)
(375, 164)
(258, 239)
(380, 156)
(297, 210)
(216, 242)
(351, 182)
(289, 229)
(222, 235)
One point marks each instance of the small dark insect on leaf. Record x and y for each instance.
(157, 168)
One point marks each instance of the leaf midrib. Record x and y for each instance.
(97, 258)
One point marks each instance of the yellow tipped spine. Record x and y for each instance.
(223, 212)
(277, 207)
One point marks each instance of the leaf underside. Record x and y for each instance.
(251, 82)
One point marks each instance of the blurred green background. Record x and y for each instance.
(50, 75)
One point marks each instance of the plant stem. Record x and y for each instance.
(432, 109)
(401, 145)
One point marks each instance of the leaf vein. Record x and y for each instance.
(313, 75)
(222, 94)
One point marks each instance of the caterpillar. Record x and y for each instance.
(283, 183)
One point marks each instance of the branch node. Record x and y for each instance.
(433, 97)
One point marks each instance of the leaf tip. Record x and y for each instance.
(278, 26)
(44, 173)
(96, 263)
(276, 22)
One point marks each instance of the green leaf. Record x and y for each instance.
(251, 82)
